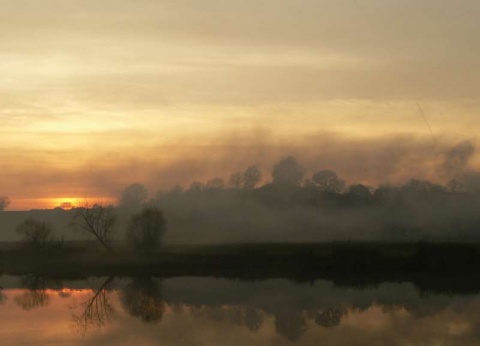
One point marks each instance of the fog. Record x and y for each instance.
(370, 161)
(299, 200)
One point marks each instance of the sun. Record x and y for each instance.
(65, 203)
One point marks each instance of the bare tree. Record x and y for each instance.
(251, 177)
(4, 202)
(96, 220)
(145, 229)
(215, 184)
(36, 234)
(236, 180)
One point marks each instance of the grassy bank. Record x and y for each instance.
(428, 265)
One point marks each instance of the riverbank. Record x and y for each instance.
(432, 266)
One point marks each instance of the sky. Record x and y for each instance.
(95, 95)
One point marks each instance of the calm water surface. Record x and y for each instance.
(208, 311)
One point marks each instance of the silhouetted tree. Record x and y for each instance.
(176, 190)
(196, 186)
(36, 234)
(359, 193)
(288, 172)
(134, 196)
(215, 184)
(455, 186)
(388, 195)
(236, 180)
(328, 181)
(421, 186)
(251, 177)
(145, 229)
(4, 202)
(96, 220)
(142, 298)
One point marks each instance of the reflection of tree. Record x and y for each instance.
(142, 298)
(36, 296)
(291, 324)
(253, 320)
(3, 297)
(237, 315)
(96, 310)
(328, 318)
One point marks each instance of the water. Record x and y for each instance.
(209, 311)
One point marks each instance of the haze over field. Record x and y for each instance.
(97, 95)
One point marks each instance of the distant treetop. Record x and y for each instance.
(288, 172)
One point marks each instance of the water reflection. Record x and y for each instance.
(3, 297)
(151, 311)
(35, 296)
(142, 298)
(95, 309)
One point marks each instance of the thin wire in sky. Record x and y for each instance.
(424, 118)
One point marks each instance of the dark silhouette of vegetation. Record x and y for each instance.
(4, 203)
(196, 187)
(327, 181)
(215, 184)
(288, 172)
(96, 220)
(251, 177)
(142, 298)
(145, 230)
(133, 196)
(236, 180)
(37, 235)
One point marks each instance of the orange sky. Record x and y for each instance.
(97, 95)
